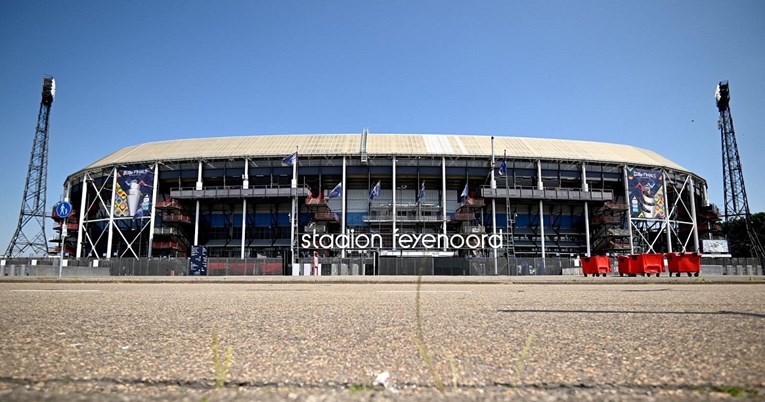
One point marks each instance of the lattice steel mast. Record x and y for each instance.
(30, 231)
(736, 202)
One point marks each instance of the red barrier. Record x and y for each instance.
(651, 263)
(628, 265)
(689, 263)
(643, 264)
(596, 265)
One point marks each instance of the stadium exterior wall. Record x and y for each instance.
(235, 196)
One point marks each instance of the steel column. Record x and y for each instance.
(629, 210)
(153, 210)
(83, 211)
(110, 237)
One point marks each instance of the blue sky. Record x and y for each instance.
(639, 73)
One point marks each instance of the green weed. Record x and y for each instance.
(221, 368)
(522, 359)
(735, 391)
(357, 388)
(420, 338)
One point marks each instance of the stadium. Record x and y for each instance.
(457, 204)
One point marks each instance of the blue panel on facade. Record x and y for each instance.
(430, 170)
(381, 170)
(262, 171)
(263, 220)
(212, 172)
(406, 170)
(169, 174)
(283, 219)
(356, 170)
(522, 220)
(501, 221)
(355, 218)
(483, 172)
(308, 171)
(217, 221)
(455, 171)
(330, 170)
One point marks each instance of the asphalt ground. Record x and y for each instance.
(543, 339)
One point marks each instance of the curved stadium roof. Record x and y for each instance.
(383, 144)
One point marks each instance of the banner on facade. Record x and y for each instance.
(198, 261)
(646, 193)
(714, 246)
(132, 197)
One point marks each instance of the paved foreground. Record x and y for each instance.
(320, 341)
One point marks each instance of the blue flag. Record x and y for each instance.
(464, 194)
(337, 191)
(290, 159)
(375, 191)
(503, 168)
(421, 193)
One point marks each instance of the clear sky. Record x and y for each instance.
(633, 72)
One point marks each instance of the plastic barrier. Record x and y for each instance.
(689, 263)
(628, 265)
(596, 265)
(641, 264)
(651, 263)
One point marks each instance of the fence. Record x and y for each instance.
(473, 266)
(481, 266)
(731, 266)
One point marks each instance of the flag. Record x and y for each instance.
(337, 191)
(290, 159)
(464, 194)
(503, 167)
(421, 193)
(375, 191)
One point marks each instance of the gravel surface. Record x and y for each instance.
(329, 341)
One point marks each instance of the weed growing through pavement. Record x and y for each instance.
(425, 354)
(221, 368)
(353, 388)
(731, 390)
(453, 369)
(420, 339)
(522, 359)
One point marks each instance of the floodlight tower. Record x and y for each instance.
(30, 231)
(736, 203)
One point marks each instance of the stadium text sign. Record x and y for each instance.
(404, 241)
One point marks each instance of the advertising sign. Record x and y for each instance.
(714, 246)
(198, 261)
(646, 193)
(132, 197)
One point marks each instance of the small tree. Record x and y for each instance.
(738, 239)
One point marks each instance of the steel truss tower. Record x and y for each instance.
(736, 203)
(30, 231)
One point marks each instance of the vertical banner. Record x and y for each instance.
(646, 193)
(134, 192)
(198, 261)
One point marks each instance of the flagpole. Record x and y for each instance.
(293, 220)
(508, 216)
(493, 205)
(342, 252)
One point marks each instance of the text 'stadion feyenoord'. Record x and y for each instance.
(406, 241)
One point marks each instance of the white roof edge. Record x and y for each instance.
(475, 145)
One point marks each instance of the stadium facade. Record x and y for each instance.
(247, 197)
